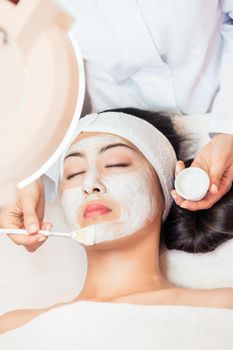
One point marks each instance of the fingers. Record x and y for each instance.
(28, 212)
(32, 241)
(220, 183)
(215, 174)
(11, 216)
(205, 203)
(215, 171)
(209, 200)
(29, 201)
(177, 198)
(40, 239)
(41, 207)
(179, 167)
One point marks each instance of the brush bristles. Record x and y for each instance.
(85, 235)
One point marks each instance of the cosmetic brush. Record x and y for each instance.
(84, 235)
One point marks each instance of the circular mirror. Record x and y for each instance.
(42, 89)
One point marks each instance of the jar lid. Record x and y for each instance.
(192, 183)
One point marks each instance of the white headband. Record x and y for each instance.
(149, 140)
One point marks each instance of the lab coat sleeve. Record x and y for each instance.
(51, 182)
(222, 110)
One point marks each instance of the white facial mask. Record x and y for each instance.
(134, 192)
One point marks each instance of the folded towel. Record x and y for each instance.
(202, 270)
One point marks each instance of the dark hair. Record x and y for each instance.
(190, 231)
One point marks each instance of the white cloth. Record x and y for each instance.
(158, 55)
(201, 270)
(104, 326)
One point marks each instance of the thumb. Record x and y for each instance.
(215, 174)
(28, 204)
(179, 167)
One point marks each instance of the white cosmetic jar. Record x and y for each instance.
(192, 183)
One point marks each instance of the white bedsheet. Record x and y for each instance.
(98, 325)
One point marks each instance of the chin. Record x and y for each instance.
(118, 243)
(107, 245)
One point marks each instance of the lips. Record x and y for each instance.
(96, 209)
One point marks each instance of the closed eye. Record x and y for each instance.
(75, 174)
(120, 165)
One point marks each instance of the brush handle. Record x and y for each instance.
(25, 232)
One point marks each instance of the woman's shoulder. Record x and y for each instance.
(218, 297)
(17, 318)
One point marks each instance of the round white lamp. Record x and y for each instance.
(42, 89)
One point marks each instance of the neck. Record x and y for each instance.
(128, 266)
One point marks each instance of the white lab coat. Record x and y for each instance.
(171, 55)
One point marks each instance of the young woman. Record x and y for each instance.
(117, 175)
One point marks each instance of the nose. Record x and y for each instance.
(93, 185)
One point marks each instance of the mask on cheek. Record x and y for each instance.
(135, 194)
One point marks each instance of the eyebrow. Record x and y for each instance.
(119, 144)
(102, 150)
(74, 154)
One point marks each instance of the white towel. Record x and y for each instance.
(109, 326)
(202, 270)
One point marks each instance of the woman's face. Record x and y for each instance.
(107, 181)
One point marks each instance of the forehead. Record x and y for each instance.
(89, 140)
